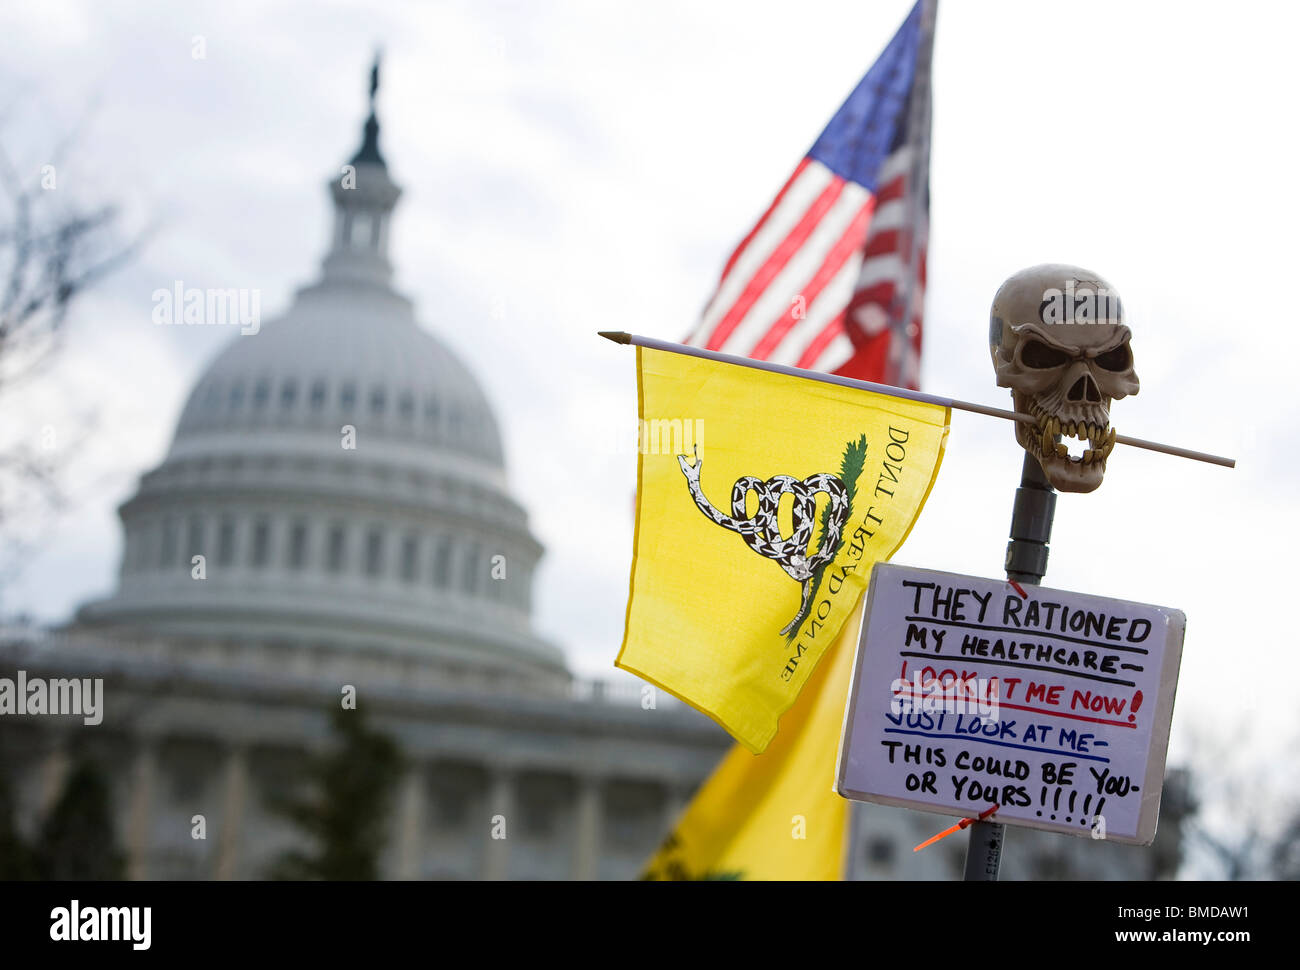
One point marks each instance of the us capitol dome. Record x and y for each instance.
(341, 473)
(333, 515)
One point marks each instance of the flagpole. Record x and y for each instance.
(1026, 562)
(918, 198)
(668, 346)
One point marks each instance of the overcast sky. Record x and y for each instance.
(571, 167)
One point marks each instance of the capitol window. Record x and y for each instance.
(378, 400)
(226, 541)
(298, 545)
(187, 780)
(630, 816)
(880, 852)
(539, 816)
(348, 397)
(288, 394)
(318, 395)
(453, 808)
(261, 394)
(337, 548)
(236, 396)
(261, 542)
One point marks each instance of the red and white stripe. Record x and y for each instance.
(828, 257)
(888, 335)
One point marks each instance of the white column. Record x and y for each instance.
(144, 770)
(232, 812)
(587, 835)
(129, 543)
(277, 549)
(674, 805)
(355, 530)
(243, 532)
(410, 819)
(54, 772)
(394, 536)
(501, 805)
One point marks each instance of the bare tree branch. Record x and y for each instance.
(52, 250)
(1250, 828)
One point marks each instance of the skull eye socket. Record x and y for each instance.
(1121, 358)
(1038, 354)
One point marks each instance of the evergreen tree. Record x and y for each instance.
(346, 814)
(15, 855)
(76, 840)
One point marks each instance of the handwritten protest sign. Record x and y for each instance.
(1054, 705)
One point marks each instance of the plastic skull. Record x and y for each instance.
(1058, 340)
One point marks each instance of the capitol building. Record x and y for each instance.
(333, 516)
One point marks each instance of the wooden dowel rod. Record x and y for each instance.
(814, 375)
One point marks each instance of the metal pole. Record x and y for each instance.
(1031, 531)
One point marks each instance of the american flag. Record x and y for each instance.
(832, 277)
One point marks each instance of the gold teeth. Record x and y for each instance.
(1049, 428)
(1105, 445)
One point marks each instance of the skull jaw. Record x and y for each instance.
(1065, 474)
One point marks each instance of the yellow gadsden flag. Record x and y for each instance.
(774, 815)
(762, 501)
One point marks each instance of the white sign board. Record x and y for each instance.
(1053, 705)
